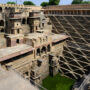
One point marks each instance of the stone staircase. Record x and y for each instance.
(76, 55)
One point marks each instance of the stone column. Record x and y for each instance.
(54, 65)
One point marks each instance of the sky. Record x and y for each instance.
(38, 2)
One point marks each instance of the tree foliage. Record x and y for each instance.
(28, 3)
(44, 4)
(77, 1)
(11, 3)
(51, 2)
(80, 2)
(85, 2)
(54, 2)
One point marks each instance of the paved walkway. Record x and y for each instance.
(10, 80)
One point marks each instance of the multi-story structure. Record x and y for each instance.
(38, 41)
(33, 53)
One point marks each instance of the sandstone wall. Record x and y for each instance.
(2, 41)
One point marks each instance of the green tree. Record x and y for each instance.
(54, 2)
(44, 4)
(77, 1)
(85, 2)
(11, 3)
(28, 3)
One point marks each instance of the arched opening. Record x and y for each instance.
(84, 12)
(75, 12)
(48, 48)
(0, 9)
(17, 41)
(43, 24)
(5, 7)
(65, 12)
(28, 20)
(38, 52)
(68, 12)
(43, 50)
(88, 12)
(1, 23)
(31, 29)
(18, 31)
(71, 12)
(23, 21)
(2, 30)
(79, 12)
(36, 28)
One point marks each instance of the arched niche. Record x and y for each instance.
(0, 9)
(48, 48)
(17, 41)
(38, 52)
(43, 50)
(1, 23)
(23, 21)
(2, 30)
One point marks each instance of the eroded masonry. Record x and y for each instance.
(28, 45)
(37, 42)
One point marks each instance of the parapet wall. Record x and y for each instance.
(21, 6)
(67, 7)
(54, 7)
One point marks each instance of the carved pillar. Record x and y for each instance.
(54, 65)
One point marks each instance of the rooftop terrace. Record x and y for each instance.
(7, 53)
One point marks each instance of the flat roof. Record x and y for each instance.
(13, 36)
(58, 37)
(10, 52)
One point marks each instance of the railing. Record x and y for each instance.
(19, 5)
(87, 79)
